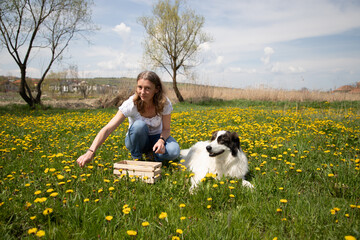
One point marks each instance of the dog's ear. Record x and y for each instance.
(235, 139)
(214, 134)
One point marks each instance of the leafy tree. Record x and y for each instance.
(43, 25)
(174, 34)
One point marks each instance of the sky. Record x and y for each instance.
(282, 44)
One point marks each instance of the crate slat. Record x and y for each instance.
(149, 172)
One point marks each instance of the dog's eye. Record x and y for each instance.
(223, 139)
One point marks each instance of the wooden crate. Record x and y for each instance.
(149, 172)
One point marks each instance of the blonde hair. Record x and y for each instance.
(159, 98)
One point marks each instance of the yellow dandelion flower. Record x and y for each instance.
(86, 200)
(215, 185)
(283, 219)
(331, 175)
(145, 224)
(54, 194)
(69, 191)
(179, 231)
(111, 188)
(49, 190)
(209, 199)
(40, 200)
(182, 205)
(32, 230)
(33, 218)
(126, 210)
(40, 233)
(231, 187)
(232, 195)
(283, 201)
(109, 218)
(60, 177)
(131, 232)
(47, 211)
(182, 218)
(349, 237)
(37, 192)
(208, 206)
(163, 215)
(175, 238)
(279, 210)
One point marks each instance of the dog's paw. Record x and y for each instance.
(247, 184)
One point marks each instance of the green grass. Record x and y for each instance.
(304, 153)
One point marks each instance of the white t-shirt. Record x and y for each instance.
(154, 124)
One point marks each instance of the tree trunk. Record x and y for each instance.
(176, 90)
(24, 89)
(38, 94)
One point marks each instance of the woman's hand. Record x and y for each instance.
(85, 158)
(159, 147)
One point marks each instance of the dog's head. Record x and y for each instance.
(222, 141)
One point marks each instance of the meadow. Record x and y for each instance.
(304, 161)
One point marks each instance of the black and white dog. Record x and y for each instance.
(221, 156)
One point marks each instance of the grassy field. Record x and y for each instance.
(303, 160)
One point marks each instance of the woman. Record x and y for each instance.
(149, 114)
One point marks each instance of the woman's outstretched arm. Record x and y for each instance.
(100, 138)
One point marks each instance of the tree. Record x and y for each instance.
(44, 25)
(174, 35)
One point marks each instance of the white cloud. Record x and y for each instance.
(251, 25)
(205, 47)
(241, 70)
(219, 60)
(112, 64)
(286, 68)
(122, 29)
(296, 69)
(268, 51)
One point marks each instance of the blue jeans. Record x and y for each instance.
(138, 141)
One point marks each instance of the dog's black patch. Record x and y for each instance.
(229, 139)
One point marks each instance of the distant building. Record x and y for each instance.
(344, 89)
(349, 88)
(8, 86)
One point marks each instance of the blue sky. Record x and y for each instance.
(286, 44)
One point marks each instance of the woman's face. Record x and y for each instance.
(146, 90)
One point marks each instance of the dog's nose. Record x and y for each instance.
(208, 148)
